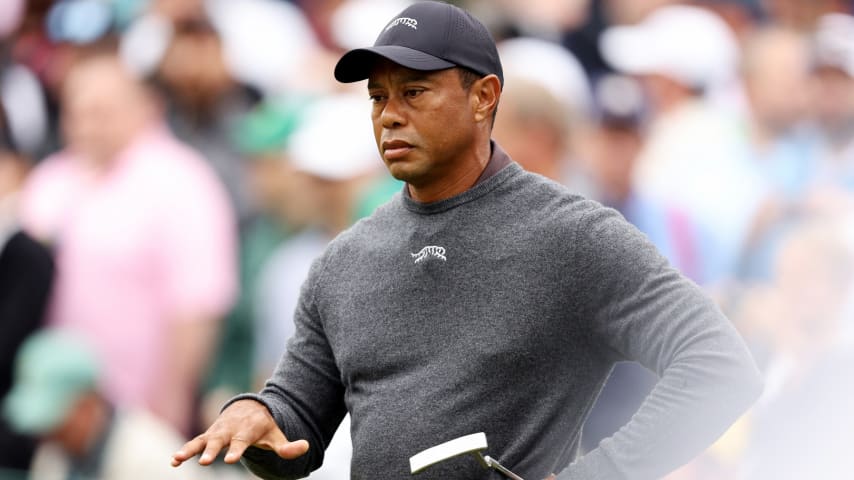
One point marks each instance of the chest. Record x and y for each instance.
(450, 301)
(113, 225)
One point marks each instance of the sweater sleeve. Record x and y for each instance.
(641, 309)
(304, 394)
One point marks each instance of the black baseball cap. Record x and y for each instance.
(427, 36)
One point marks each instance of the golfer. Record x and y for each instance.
(481, 299)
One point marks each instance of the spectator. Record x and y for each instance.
(801, 15)
(543, 110)
(553, 67)
(144, 239)
(280, 208)
(779, 142)
(534, 127)
(56, 396)
(331, 181)
(615, 145)
(203, 98)
(833, 76)
(802, 427)
(614, 142)
(26, 275)
(334, 179)
(691, 157)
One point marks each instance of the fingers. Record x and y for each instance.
(235, 450)
(208, 445)
(188, 451)
(212, 449)
(292, 450)
(243, 424)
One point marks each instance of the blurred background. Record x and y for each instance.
(170, 168)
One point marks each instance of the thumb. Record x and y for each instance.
(291, 450)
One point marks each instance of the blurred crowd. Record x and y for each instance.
(170, 168)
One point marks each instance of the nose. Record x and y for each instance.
(391, 115)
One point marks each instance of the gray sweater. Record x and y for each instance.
(501, 310)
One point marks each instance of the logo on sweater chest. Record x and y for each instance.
(428, 253)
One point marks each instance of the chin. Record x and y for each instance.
(402, 172)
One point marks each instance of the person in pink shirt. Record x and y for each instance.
(144, 237)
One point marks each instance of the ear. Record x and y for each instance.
(485, 93)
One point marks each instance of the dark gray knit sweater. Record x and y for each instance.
(501, 310)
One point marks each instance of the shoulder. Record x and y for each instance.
(24, 251)
(50, 188)
(52, 172)
(537, 199)
(175, 169)
(583, 228)
(373, 228)
(160, 150)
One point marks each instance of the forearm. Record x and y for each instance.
(694, 402)
(707, 380)
(304, 395)
(190, 345)
(643, 310)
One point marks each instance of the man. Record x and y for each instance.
(333, 180)
(483, 298)
(144, 237)
(535, 128)
(26, 276)
(833, 100)
(686, 59)
(329, 182)
(56, 397)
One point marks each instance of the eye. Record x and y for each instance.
(412, 92)
(377, 98)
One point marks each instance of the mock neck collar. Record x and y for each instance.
(499, 168)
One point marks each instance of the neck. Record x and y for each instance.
(91, 420)
(463, 178)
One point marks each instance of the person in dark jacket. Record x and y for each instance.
(26, 275)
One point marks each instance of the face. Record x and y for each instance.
(101, 109)
(424, 123)
(776, 80)
(76, 430)
(194, 69)
(282, 190)
(833, 98)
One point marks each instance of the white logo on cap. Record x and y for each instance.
(409, 22)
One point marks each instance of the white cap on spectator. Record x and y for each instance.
(144, 43)
(355, 23)
(689, 44)
(335, 139)
(549, 65)
(834, 42)
(267, 42)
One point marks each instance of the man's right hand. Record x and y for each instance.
(243, 424)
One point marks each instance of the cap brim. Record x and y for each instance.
(32, 411)
(356, 64)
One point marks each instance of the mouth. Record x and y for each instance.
(395, 149)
